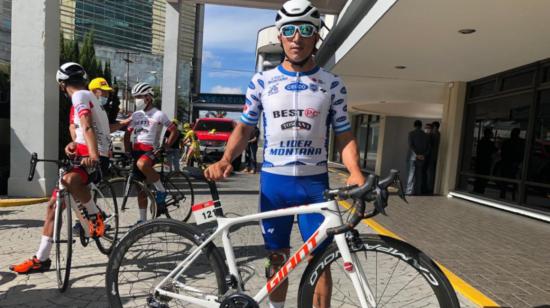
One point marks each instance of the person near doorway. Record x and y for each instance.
(419, 149)
(432, 160)
(251, 151)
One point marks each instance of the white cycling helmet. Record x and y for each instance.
(70, 70)
(142, 88)
(298, 11)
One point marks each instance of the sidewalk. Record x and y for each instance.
(503, 255)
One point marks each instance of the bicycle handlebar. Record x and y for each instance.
(372, 191)
(61, 163)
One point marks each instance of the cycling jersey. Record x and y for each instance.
(147, 126)
(298, 110)
(84, 102)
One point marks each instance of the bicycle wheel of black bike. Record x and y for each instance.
(63, 239)
(105, 199)
(180, 196)
(128, 204)
(398, 275)
(149, 252)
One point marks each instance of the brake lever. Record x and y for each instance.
(399, 185)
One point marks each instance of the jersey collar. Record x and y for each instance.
(294, 74)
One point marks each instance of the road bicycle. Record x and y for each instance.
(103, 197)
(180, 194)
(166, 263)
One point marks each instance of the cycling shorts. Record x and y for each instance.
(147, 155)
(281, 191)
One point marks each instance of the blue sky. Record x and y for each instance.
(229, 47)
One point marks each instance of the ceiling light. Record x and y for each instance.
(466, 31)
(400, 67)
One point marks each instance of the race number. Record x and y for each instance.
(203, 212)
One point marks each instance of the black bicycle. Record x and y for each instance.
(104, 198)
(132, 186)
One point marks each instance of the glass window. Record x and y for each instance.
(488, 187)
(538, 198)
(539, 159)
(483, 89)
(362, 137)
(495, 135)
(518, 80)
(372, 146)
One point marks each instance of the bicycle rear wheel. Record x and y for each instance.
(63, 245)
(180, 196)
(398, 275)
(127, 202)
(105, 199)
(149, 252)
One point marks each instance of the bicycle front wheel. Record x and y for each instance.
(105, 199)
(397, 274)
(129, 195)
(149, 252)
(63, 240)
(180, 196)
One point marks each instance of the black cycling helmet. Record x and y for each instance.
(70, 71)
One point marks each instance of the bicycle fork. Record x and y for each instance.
(355, 272)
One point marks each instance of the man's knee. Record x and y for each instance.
(143, 164)
(275, 260)
(72, 179)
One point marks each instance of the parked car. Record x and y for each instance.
(213, 134)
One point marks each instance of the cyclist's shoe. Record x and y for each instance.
(77, 228)
(32, 265)
(160, 198)
(96, 225)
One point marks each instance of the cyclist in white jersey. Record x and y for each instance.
(89, 131)
(147, 124)
(298, 102)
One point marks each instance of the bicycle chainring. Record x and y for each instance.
(239, 300)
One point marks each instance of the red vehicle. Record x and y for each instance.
(213, 134)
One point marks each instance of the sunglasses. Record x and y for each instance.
(306, 30)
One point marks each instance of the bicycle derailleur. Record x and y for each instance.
(239, 300)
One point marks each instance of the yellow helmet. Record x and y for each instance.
(176, 121)
(99, 83)
(186, 126)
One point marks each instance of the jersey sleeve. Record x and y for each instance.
(81, 103)
(338, 107)
(163, 119)
(253, 103)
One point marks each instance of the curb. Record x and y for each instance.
(21, 202)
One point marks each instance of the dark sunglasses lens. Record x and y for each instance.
(288, 31)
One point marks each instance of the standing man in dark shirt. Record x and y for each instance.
(419, 149)
(252, 151)
(432, 163)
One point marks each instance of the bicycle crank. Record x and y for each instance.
(239, 300)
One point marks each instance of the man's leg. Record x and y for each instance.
(145, 165)
(411, 177)
(323, 290)
(76, 184)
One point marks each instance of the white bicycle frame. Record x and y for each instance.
(328, 209)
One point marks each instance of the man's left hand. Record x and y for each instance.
(356, 179)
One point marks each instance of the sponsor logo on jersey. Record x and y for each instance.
(251, 85)
(345, 108)
(254, 97)
(309, 112)
(273, 90)
(296, 87)
(319, 81)
(334, 84)
(338, 102)
(277, 79)
(295, 147)
(341, 119)
(252, 113)
(296, 125)
(313, 87)
(344, 90)
(261, 83)
(248, 102)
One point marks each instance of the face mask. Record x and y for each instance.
(103, 100)
(140, 103)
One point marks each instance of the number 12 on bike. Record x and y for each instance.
(204, 212)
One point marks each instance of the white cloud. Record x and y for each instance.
(234, 28)
(211, 60)
(225, 90)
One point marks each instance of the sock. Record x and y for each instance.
(91, 207)
(142, 214)
(272, 304)
(159, 186)
(44, 249)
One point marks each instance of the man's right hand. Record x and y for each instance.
(220, 170)
(70, 149)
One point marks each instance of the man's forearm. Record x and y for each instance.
(348, 150)
(237, 142)
(172, 137)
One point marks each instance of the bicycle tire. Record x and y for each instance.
(128, 209)
(122, 257)
(392, 252)
(178, 202)
(105, 199)
(63, 246)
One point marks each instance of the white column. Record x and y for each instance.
(170, 62)
(451, 132)
(260, 65)
(34, 95)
